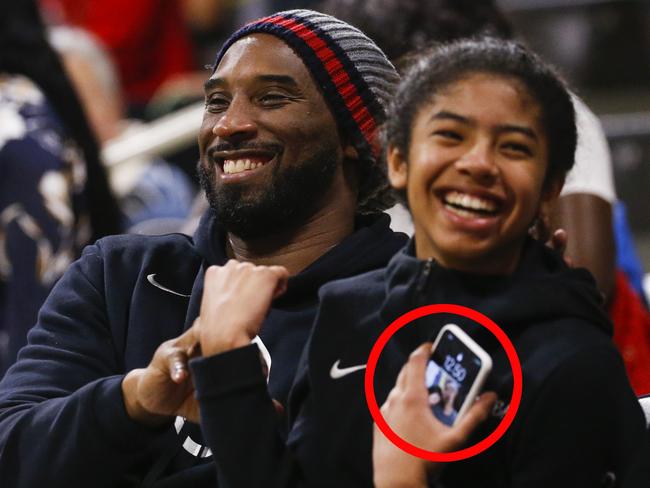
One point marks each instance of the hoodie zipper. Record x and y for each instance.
(424, 276)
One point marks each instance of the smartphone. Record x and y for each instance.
(455, 373)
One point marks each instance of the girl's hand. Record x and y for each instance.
(408, 413)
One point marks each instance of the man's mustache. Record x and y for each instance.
(245, 146)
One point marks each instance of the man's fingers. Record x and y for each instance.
(477, 414)
(282, 275)
(188, 339)
(177, 363)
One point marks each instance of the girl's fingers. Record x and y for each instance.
(416, 366)
(477, 414)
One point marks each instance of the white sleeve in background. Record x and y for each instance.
(400, 219)
(592, 172)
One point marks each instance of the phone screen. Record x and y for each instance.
(451, 371)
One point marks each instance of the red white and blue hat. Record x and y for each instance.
(356, 78)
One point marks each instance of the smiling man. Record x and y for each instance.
(290, 168)
(271, 147)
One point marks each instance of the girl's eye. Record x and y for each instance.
(449, 135)
(517, 149)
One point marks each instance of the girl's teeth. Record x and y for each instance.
(469, 202)
(460, 211)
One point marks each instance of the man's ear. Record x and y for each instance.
(350, 152)
(397, 168)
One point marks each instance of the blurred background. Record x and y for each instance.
(603, 48)
(102, 101)
(158, 49)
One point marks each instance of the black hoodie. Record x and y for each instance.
(62, 416)
(578, 419)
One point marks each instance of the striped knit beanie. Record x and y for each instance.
(356, 78)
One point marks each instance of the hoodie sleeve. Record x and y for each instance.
(240, 422)
(62, 416)
(583, 427)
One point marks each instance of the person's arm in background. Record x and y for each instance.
(586, 203)
(587, 219)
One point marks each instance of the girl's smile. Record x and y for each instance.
(474, 173)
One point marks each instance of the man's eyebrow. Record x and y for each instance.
(280, 79)
(212, 83)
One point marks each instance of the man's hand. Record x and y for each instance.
(164, 389)
(236, 299)
(407, 412)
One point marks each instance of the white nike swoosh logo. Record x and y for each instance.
(152, 279)
(337, 372)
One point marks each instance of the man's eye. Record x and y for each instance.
(216, 104)
(271, 99)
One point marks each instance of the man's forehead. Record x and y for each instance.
(262, 55)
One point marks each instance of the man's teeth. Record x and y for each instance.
(467, 204)
(231, 166)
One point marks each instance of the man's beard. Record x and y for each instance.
(293, 196)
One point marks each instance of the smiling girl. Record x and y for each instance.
(479, 138)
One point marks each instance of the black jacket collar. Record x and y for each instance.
(542, 288)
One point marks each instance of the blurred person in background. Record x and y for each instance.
(293, 176)
(148, 40)
(54, 195)
(585, 207)
(153, 194)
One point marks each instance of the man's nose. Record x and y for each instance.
(479, 163)
(237, 122)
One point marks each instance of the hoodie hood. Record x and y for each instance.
(542, 289)
(369, 247)
(210, 239)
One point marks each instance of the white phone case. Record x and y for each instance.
(486, 363)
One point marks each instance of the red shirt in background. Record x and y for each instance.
(148, 39)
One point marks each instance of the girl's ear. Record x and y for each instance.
(550, 194)
(397, 168)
